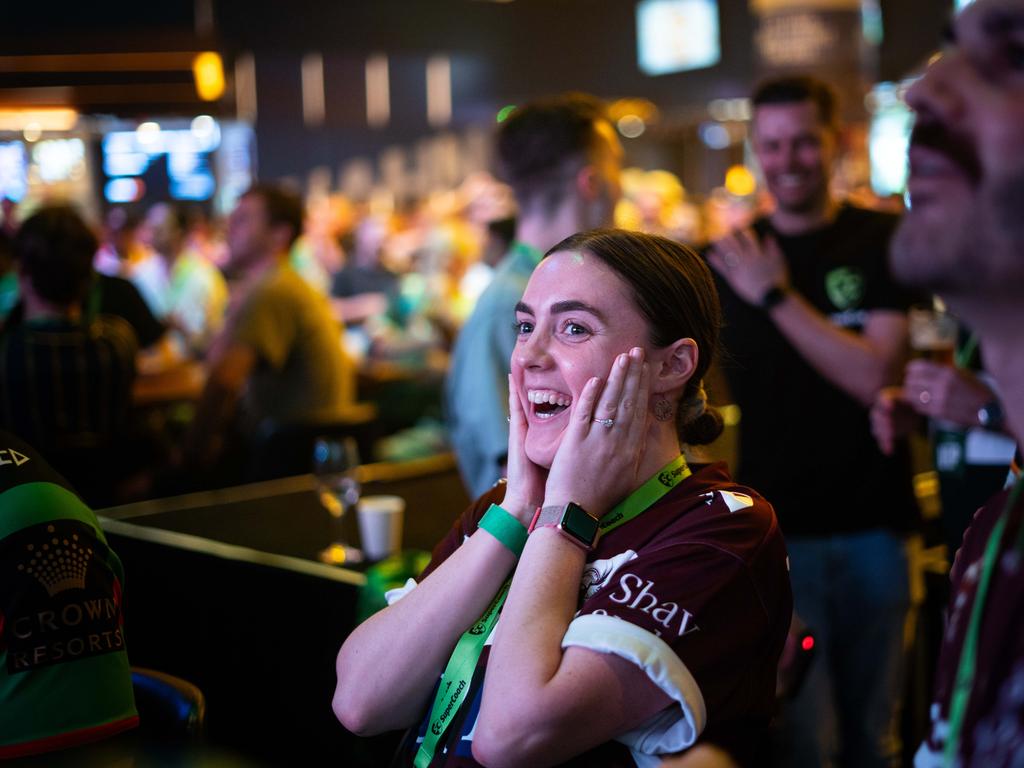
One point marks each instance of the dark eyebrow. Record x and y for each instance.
(561, 307)
(571, 305)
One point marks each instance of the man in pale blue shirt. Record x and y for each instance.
(562, 159)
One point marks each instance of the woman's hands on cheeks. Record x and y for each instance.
(525, 489)
(596, 466)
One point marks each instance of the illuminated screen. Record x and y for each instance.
(13, 170)
(676, 35)
(128, 155)
(59, 159)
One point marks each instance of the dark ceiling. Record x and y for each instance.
(518, 48)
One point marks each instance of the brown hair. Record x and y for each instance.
(55, 248)
(283, 207)
(542, 144)
(676, 294)
(794, 89)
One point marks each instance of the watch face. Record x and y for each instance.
(581, 525)
(991, 415)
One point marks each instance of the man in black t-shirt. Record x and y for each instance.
(815, 327)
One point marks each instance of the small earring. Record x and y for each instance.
(663, 410)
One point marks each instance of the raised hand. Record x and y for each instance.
(892, 418)
(751, 267)
(525, 490)
(944, 392)
(598, 459)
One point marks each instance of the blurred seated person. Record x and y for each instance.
(64, 674)
(499, 234)
(115, 296)
(108, 294)
(121, 250)
(181, 287)
(317, 254)
(279, 357)
(364, 287)
(65, 380)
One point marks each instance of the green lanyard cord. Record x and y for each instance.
(453, 688)
(967, 665)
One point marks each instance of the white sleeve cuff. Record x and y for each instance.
(394, 595)
(672, 729)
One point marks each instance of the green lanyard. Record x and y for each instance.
(966, 668)
(458, 674)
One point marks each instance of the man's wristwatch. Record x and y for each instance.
(990, 416)
(574, 522)
(773, 297)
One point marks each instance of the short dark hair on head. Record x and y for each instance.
(675, 292)
(55, 248)
(282, 205)
(794, 89)
(540, 139)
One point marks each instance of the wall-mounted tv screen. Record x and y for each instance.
(676, 35)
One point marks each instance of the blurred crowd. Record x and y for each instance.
(399, 281)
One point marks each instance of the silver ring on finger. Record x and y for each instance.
(607, 423)
(730, 260)
(925, 397)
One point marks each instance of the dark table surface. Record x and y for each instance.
(224, 589)
(285, 516)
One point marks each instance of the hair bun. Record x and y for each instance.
(705, 429)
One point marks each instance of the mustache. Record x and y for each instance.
(935, 136)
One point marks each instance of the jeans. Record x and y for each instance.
(852, 591)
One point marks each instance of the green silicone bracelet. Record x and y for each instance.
(505, 528)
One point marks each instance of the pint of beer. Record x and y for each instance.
(932, 334)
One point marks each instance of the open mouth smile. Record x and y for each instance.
(547, 403)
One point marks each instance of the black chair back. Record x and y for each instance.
(170, 709)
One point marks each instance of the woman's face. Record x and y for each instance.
(576, 316)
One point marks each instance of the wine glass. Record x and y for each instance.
(335, 467)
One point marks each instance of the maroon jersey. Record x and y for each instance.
(695, 591)
(992, 734)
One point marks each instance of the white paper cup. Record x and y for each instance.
(380, 525)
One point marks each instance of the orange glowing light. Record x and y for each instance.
(208, 72)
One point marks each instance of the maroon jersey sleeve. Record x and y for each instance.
(694, 612)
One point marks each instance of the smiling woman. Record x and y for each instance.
(607, 602)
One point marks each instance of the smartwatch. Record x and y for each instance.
(990, 416)
(772, 298)
(574, 522)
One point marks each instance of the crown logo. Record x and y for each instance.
(58, 564)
